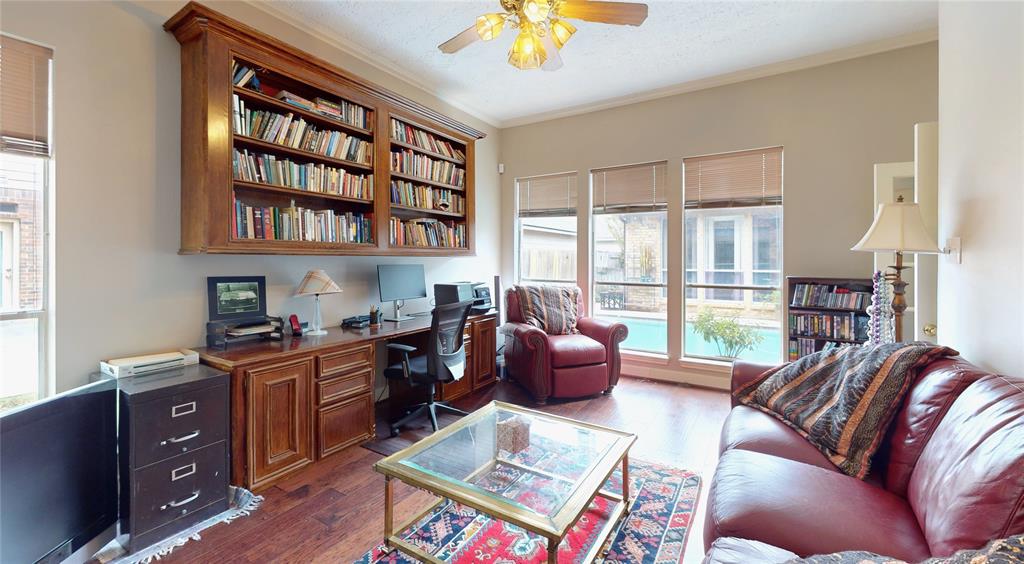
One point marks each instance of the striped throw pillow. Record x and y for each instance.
(552, 309)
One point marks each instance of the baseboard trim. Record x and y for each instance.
(705, 375)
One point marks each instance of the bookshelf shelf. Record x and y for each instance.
(228, 67)
(428, 152)
(298, 153)
(297, 193)
(421, 180)
(313, 117)
(825, 310)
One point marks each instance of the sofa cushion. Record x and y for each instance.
(730, 550)
(934, 391)
(807, 509)
(968, 484)
(575, 350)
(749, 429)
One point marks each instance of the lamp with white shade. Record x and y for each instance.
(898, 228)
(315, 283)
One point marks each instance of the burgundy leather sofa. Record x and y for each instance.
(562, 366)
(949, 476)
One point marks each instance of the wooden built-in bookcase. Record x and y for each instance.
(825, 310)
(284, 153)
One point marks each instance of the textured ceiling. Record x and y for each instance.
(680, 42)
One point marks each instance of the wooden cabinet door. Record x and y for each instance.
(344, 424)
(279, 419)
(485, 334)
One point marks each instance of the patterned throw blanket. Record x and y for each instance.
(551, 308)
(842, 400)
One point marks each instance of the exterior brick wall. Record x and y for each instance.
(29, 239)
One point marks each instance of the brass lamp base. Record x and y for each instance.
(899, 300)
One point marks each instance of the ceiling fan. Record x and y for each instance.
(543, 28)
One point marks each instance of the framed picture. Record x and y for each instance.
(236, 297)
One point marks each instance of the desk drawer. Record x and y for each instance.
(344, 424)
(180, 423)
(345, 361)
(333, 389)
(168, 490)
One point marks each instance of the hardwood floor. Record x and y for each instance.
(333, 511)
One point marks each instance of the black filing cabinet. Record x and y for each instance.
(173, 450)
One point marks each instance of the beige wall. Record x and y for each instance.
(981, 181)
(835, 122)
(121, 288)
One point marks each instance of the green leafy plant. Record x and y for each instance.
(729, 335)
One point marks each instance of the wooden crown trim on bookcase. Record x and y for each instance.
(194, 18)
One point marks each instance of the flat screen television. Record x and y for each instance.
(58, 473)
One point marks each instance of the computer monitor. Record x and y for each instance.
(400, 282)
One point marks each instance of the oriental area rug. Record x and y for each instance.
(654, 532)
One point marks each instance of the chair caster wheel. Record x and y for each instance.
(394, 432)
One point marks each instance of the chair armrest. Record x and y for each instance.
(602, 330)
(533, 337)
(400, 347)
(743, 373)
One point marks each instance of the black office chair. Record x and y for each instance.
(445, 361)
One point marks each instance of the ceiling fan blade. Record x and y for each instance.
(619, 13)
(460, 41)
(554, 60)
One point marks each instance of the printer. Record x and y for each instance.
(455, 292)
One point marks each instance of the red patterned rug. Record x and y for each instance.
(654, 532)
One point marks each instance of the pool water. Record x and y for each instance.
(650, 335)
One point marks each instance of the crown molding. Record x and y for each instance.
(357, 51)
(801, 63)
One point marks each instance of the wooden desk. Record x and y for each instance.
(296, 401)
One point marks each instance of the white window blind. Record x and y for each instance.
(552, 194)
(740, 179)
(24, 106)
(633, 188)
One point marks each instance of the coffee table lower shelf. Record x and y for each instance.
(395, 541)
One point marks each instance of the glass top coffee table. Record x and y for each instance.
(537, 471)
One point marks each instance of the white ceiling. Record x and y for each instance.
(681, 42)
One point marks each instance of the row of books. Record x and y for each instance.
(285, 130)
(845, 326)
(412, 136)
(427, 233)
(406, 193)
(343, 111)
(799, 347)
(829, 295)
(410, 162)
(301, 224)
(268, 169)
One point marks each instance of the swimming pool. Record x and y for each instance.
(649, 335)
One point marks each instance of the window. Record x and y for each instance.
(733, 242)
(24, 184)
(629, 260)
(546, 230)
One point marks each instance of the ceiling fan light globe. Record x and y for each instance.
(536, 10)
(527, 51)
(561, 31)
(489, 26)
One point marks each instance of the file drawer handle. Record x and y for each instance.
(181, 439)
(180, 502)
(183, 409)
(185, 471)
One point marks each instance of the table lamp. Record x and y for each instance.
(898, 228)
(315, 283)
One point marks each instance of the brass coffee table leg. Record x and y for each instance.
(389, 518)
(625, 481)
(553, 551)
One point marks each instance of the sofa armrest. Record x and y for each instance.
(609, 334)
(744, 373)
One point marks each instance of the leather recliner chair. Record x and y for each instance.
(562, 366)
